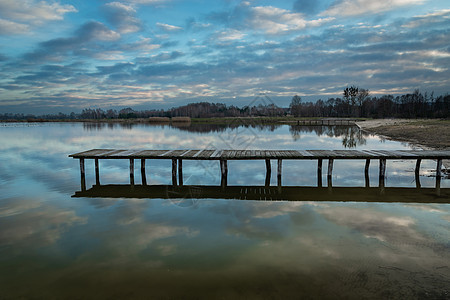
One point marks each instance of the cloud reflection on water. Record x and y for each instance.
(55, 246)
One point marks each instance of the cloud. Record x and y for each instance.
(168, 28)
(375, 224)
(56, 49)
(122, 16)
(34, 224)
(9, 27)
(348, 8)
(440, 16)
(16, 17)
(96, 31)
(273, 20)
(229, 35)
(143, 46)
(161, 57)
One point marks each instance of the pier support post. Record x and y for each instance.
(330, 173)
(268, 172)
(97, 172)
(224, 173)
(417, 173)
(83, 175)
(143, 176)
(180, 172)
(382, 174)
(132, 171)
(319, 172)
(279, 162)
(366, 173)
(174, 172)
(438, 176)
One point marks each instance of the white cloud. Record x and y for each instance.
(434, 17)
(229, 35)
(33, 12)
(273, 20)
(167, 27)
(10, 27)
(360, 7)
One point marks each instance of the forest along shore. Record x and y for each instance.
(425, 133)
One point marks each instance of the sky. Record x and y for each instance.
(63, 56)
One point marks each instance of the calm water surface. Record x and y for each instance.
(55, 246)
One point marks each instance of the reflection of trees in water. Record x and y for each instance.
(351, 136)
(198, 128)
(91, 126)
(207, 128)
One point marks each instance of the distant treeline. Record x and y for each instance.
(355, 103)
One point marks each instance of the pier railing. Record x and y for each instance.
(223, 156)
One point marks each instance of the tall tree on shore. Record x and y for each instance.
(296, 106)
(363, 94)
(350, 94)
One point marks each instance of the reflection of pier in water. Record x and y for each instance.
(177, 156)
(263, 193)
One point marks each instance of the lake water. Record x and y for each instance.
(55, 246)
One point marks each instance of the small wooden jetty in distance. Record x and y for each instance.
(177, 157)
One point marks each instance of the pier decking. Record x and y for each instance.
(177, 157)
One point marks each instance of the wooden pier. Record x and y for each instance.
(223, 156)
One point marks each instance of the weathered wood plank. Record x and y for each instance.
(206, 153)
(121, 154)
(190, 153)
(92, 152)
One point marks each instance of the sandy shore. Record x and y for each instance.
(427, 134)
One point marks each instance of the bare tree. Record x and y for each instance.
(296, 106)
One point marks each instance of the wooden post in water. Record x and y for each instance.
(97, 173)
(132, 171)
(330, 173)
(417, 173)
(268, 172)
(143, 176)
(382, 174)
(366, 172)
(438, 176)
(319, 172)
(174, 172)
(224, 173)
(279, 174)
(83, 175)
(180, 172)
